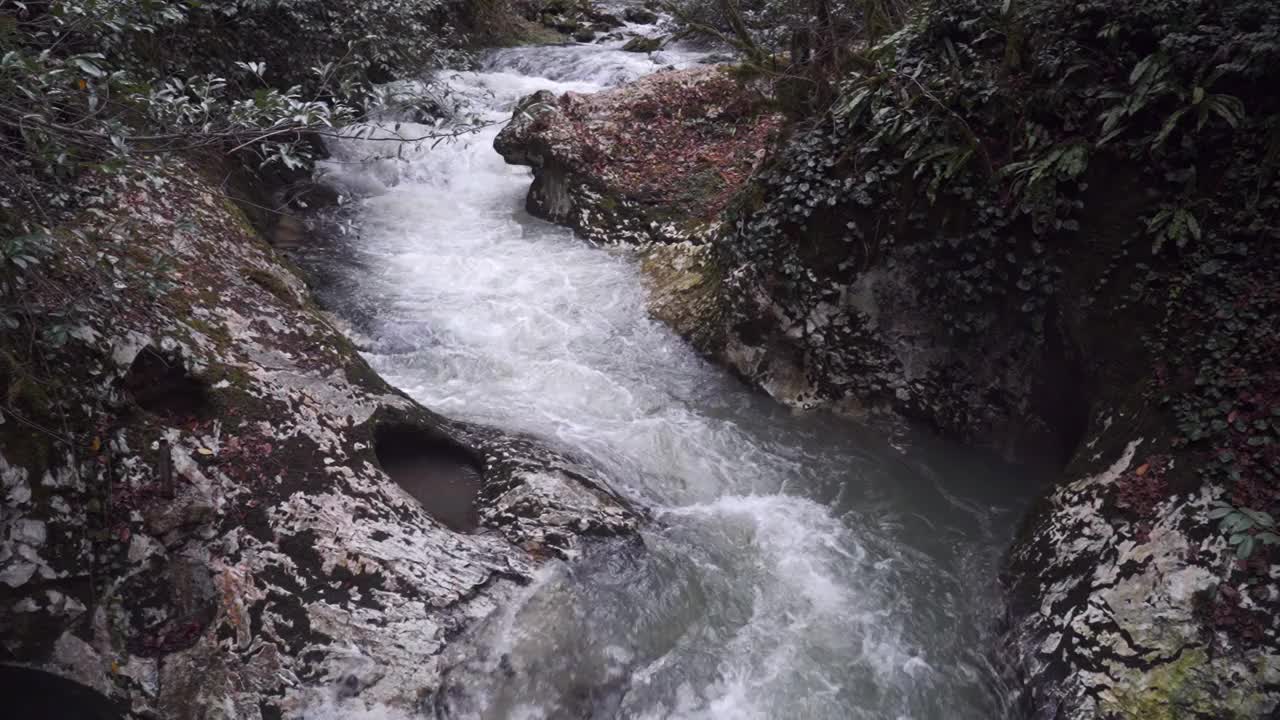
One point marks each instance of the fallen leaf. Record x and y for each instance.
(1142, 469)
(204, 451)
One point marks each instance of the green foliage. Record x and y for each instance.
(1175, 225)
(1113, 158)
(92, 84)
(19, 256)
(803, 46)
(1151, 83)
(1246, 529)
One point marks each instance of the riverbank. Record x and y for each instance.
(197, 496)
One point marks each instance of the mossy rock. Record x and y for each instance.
(643, 45)
(641, 16)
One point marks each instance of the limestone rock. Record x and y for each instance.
(654, 161)
(642, 44)
(1124, 610)
(211, 533)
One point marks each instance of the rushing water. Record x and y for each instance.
(797, 567)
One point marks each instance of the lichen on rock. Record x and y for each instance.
(205, 530)
(705, 130)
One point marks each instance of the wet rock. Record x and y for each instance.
(218, 534)
(607, 20)
(703, 132)
(1133, 612)
(684, 291)
(640, 15)
(565, 25)
(585, 35)
(641, 44)
(438, 473)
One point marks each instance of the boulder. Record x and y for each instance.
(655, 161)
(1123, 606)
(213, 532)
(606, 20)
(642, 44)
(640, 16)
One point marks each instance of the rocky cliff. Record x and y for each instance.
(198, 517)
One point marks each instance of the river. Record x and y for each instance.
(796, 566)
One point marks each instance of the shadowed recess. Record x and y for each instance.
(160, 384)
(442, 476)
(36, 694)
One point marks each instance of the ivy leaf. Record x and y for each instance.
(1192, 224)
(1245, 548)
(1261, 519)
(1169, 125)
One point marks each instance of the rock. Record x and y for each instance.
(684, 291)
(640, 16)
(606, 20)
(641, 44)
(585, 35)
(704, 133)
(566, 25)
(240, 545)
(1130, 612)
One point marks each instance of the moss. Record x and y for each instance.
(23, 448)
(218, 333)
(273, 284)
(535, 34)
(1180, 689)
(238, 216)
(235, 376)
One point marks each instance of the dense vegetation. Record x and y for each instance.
(1109, 167)
(95, 84)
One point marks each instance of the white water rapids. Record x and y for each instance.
(797, 567)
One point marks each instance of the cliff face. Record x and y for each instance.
(1047, 264)
(199, 520)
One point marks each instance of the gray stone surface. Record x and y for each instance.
(243, 555)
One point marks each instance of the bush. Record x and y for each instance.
(1112, 160)
(90, 84)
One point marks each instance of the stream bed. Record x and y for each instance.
(796, 566)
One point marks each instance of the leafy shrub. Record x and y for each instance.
(89, 84)
(984, 146)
